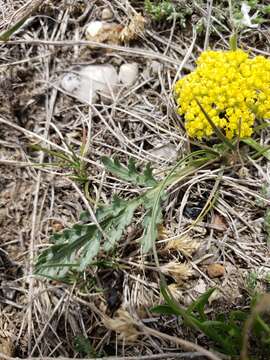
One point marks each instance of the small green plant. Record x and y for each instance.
(83, 346)
(69, 161)
(226, 331)
(78, 247)
(267, 226)
(250, 13)
(166, 10)
(252, 280)
(161, 11)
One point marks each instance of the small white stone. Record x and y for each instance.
(155, 67)
(93, 28)
(128, 73)
(200, 287)
(106, 14)
(90, 80)
(70, 82)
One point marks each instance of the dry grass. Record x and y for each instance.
(41, 318)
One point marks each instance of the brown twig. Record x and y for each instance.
(128, 50)
(184, 355)
(183, 343)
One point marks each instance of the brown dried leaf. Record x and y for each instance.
(219, 222)
(162, 232)
(113, 33)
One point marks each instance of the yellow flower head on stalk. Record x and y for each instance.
(232, 88)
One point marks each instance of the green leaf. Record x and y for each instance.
(199, 304)
(163, 309)
(261, 150)
(151, 220)
(5, 35)
(233, 41)
(77, 247)
(130, 173)
(83, 346)
(58, 259)
(118, 224)
(170, 301)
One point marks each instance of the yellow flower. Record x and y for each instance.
(233, 89)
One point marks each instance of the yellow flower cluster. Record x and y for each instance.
(232, 88)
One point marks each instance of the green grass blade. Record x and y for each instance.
(5, 35)
(261, 150)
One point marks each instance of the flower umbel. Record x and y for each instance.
(232, 88)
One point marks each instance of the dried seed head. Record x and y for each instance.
(179, 272)
(123, 324)
(185, 244)
(133, 29)
(175, 291)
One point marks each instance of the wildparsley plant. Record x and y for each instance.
(232, 88)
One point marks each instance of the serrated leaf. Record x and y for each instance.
(113, 210)
(153, 200)
(89, 253)
(57, 260)
(130, 173)
(118, 224)
(77, 247)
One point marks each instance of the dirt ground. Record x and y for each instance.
(40, 195)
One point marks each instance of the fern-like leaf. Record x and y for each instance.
(77, 247)
(57, 260)
(130, 173)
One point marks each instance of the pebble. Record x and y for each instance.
(128, 74)
(215, 270)
(200, 287)
(106, 14)
(88, 81)
(155, 67)
(93, 28)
